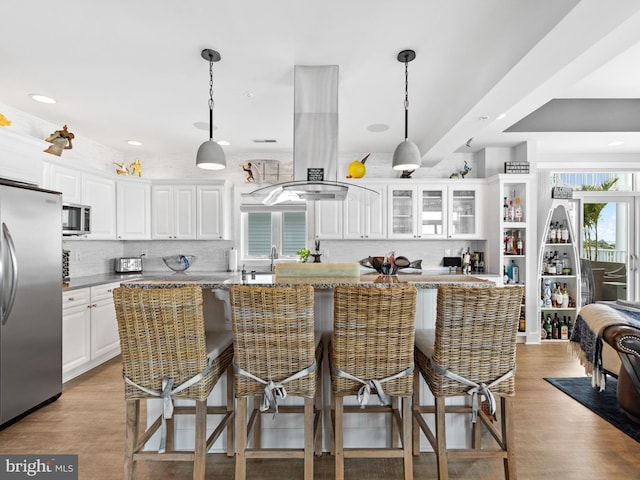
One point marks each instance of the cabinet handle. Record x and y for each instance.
(71, 299)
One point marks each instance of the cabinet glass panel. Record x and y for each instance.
(463, 212)
(402, 211)
(432, 221)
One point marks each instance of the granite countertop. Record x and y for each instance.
(225, 280)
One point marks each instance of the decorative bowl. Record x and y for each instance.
(381, 267)
(179, 263)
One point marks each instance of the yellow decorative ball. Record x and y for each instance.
(357, 169)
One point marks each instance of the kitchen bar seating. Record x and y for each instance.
(371, 358)
(471, 353)
(165, 355)
(276, 354)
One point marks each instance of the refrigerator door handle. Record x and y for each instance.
(6, 309)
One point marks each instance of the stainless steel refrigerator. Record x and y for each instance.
(30, 298)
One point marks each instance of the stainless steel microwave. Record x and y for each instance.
(76, 219)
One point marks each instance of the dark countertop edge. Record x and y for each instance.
(98, 279)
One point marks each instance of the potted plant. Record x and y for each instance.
(303, 254)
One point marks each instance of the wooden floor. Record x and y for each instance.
(556, 437)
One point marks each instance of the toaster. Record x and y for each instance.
(128, 265)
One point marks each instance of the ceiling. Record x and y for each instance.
(123, 70)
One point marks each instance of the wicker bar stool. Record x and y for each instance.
(371, 354)
(165, 355)
(276, 354)
(472, 352)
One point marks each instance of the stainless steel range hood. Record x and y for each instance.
(315, 143)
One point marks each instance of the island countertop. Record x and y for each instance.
(224, 281)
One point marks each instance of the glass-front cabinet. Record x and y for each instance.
(463, 212)
(416, 212)
(433, 211)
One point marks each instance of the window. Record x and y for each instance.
(286, 229)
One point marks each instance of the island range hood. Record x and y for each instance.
(315, 142)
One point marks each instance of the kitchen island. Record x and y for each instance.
(357, 430)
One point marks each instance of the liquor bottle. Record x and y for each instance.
(520, 246)
(558, 233)
(518, 213)
(511, 212)
(543, 330)
(522, 323)
(557, 296)
(555, 328)
(505, 275)
(552, 234)
(514, 272)
(505, 210)
(565, 232)
(548, 327)
(569, 327)
(565, 296)
(564, 329)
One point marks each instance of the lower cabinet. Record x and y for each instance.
(89, 329)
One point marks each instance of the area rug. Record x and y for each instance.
(604, 404)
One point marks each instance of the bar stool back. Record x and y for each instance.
(165, 355)
(371, 354)
(472, 352)
(276, 354)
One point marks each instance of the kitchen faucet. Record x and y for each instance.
(273, 256)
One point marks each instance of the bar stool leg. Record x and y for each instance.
(407, 437)
(230, 406)
(131, 437)
(309, 421)
(441, 440)
(241, 459)
(200, 453)
(339, 437)
(416, 412)
(509, 462)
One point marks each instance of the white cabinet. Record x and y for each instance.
(64, 179)
(173, 211)
(85, 188)
(100, 193)
(89, 329)
(328, 219)
(133, 207)
(512, 241)
(429, 210)
(465, 204)
(211, 212)
(365, 213)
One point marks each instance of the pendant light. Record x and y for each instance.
(407, 155)
(210, 154)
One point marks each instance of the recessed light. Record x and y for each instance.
(501, 116)
(134, 142)
(264, 140)
(378, 127)
(615, 143)
(42, 98)
(223, 143)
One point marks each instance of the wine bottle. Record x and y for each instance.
(518, 213)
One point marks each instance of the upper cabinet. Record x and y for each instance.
(212, 212)
(173, 211)
(100, 193)
(465, 206)
(329, 219)
(133, 205)
(97, 191)
(427, 210)
(365, 213)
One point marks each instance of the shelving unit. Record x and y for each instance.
(514, 243)
(558, 268)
